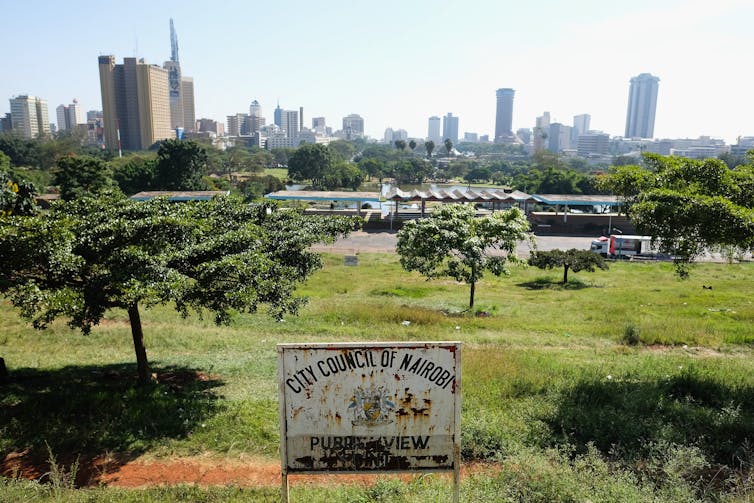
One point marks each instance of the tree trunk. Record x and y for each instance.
(565, 274)
(142, 365)
(471, 296)
(3, 370)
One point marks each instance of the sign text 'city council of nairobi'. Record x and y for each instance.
(370, 406)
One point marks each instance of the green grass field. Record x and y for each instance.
(553, 392)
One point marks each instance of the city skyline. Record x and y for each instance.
(393, 71)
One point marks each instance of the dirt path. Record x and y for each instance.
(202, 471)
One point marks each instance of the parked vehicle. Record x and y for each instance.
(622, 246)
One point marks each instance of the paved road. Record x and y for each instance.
(384, 241)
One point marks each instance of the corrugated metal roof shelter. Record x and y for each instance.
(322, 195)
(495, 196)
(176, 196)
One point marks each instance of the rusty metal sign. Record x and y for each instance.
(370, 407)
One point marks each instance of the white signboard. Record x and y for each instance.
(370, 407)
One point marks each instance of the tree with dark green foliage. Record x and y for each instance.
(255, 187)
(342, 150)
(90, 255)
(448, 145)
(400, 145)
(573, 259)
(17, 197)
(310, 162)
(22, 151)
(688, 206)
(429, 146)
(373, 167)
(412, 145)
(455, 243)
(343, 174)
(413, 170)
(180, 165)
(135, 174)
(81, 175)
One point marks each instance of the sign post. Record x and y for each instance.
(370, 408)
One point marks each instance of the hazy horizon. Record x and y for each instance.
(397, 64)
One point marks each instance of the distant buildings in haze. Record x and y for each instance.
(69, 116)
(450, 128)
(642, 104)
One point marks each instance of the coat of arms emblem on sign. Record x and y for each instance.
(371, 406)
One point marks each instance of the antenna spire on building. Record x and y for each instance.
(173, 42)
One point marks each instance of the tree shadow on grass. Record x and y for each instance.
(631, 419)
(545, 283)
(96, 412)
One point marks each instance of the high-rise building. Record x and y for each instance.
(135, 103)
(581, 124)
(504, 115)
(540, 132)
(642, 104)
(255, 109)
(289, 123)
(69, 116)
(278, 116)
(559, 137)
(450, 128)
(29, 116)
(319, 125)
(187, 97)
(182, 111)
(353, 126)
(433, 130)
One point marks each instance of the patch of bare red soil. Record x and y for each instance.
(204, 472)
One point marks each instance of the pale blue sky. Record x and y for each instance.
(397, 63)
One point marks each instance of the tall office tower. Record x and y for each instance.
(69, 116)
(278, 116)
(182, 111)
(433, 130)
(189, 113)
(255, 109)
(388, 136)
(642, 104)
(29, 116)
(235, 122)
(289, 123)
(450, 128)
(559, 137)
(541, 130)
(135, 103)
(504, 115)
(353, 126)
(6, 123)
(581, 124)
(319, 125)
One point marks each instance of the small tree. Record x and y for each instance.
(453, 242)
(688, 205)
(448, 145)
(90, 255)
(400, 145)
(573, 259)
(412, 145)
(429, 146)
(81, 175)
(180, 165)
(310, 162)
